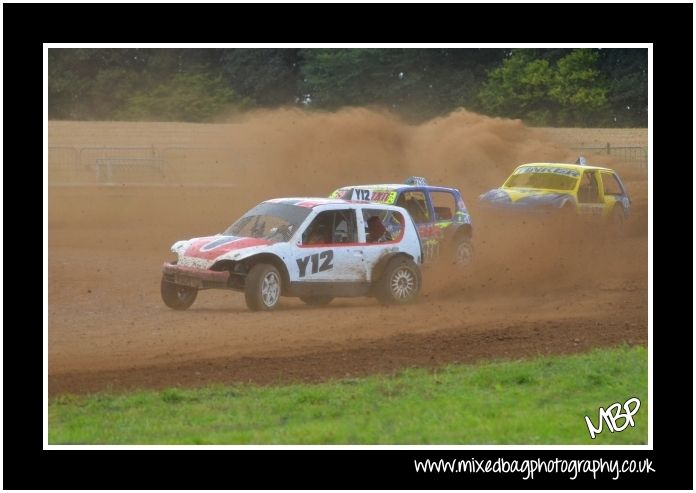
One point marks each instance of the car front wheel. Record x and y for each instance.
(262, 288)
(177, 296)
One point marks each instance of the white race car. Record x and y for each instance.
(312, 248)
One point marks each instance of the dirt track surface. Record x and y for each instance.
(529, 292)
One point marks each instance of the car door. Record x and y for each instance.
(613, 192)
(590, 195)
(393, 222)
(327, 250)
(417, 203)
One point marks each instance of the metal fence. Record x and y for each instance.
(633, 155)
(103, 164)
(223, 166)
(183, 164)
(63, 164)
(110, 169)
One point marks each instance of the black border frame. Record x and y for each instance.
(669, 27)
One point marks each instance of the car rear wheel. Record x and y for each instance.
(177, 296)
(317, 300)
(262, 288)
(463, 252)
(400, 282)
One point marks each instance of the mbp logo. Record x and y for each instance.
(613, 414)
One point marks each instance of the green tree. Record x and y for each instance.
(579, 89)
(571, 91)
(268, 77)
(561, 86)
(520, 88)
(185, 97)
(338, 77)
(159, 84)
(418, 83)
(91, 83)
(627, 72)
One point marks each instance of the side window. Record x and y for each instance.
(611, 184)
(382, 225)
(588, 192)
(415, 204)
(444, 205)
(344, 228)
(331, 227)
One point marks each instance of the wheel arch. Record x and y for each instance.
(379, 267)
(251, 261)
(456, 233)
(465, 231)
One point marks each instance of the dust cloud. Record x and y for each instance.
(107, 243)
(292, 152)
(295, 152)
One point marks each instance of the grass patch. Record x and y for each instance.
(540, 401)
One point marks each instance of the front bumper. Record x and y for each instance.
(197, 278)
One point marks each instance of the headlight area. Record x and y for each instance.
(178, 247)
(238, 272)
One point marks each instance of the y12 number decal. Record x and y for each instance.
(326, 256)
(359, 194)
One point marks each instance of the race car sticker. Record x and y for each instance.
(431, 250)
(546, 169)
(326, 258)
(383, 196)
(212, 247)
(339, 194)
(308, 203)
(218, 242)
(462, 217)
(361, 194)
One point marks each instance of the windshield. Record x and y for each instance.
(541, 177)
(273, 222)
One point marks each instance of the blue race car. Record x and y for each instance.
(440, 215)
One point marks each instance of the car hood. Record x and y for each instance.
(211, 247)
(523, 198)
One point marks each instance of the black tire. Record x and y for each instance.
(177, 296)
(462, 251)
(262, 288)
(317, 300)
(400, 282)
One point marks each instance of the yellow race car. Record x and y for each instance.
(578, 189)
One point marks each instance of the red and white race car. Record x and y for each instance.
(312, 248)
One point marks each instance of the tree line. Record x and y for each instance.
(548, 87)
